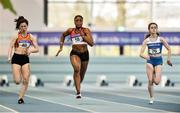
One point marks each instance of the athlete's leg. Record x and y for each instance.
(149, 71)
(76, 63)
(16, 70)
(158, 71)
(84, 65)
(25, 79)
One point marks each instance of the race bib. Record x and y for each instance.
(154, 51)
(24, 43)
(77, 39)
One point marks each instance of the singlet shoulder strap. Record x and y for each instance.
(148, 39)
(73, 29)
(72, 32)
(30, 36)
(159, 38)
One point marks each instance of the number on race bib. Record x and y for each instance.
(154, 51)
(77, 39)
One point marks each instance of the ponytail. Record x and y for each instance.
(20, 20)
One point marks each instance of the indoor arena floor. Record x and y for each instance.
(56, 97)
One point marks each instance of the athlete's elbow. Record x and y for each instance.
(169, 49)
(91, 44)
(37, 50)
(141, 55)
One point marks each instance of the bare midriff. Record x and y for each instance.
(80, 47)
(21, 51)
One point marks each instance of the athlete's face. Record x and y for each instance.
(78, 22)
(153, 29)
(23, 27)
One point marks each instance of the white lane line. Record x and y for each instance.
(94, 99)
(117, 102)
(136, 105)
(139, 98)
(14, 111)
(157, 93)
(61, 104)
(135, 91)
(52, 102)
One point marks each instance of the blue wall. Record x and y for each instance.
(108, 38)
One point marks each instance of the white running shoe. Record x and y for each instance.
(78, 96)
(151, 100)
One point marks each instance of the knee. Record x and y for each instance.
(25, 82)
(156, 82)
(77, 70)
(150, 82)
(17, 82)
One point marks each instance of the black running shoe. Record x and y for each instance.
(20, 101)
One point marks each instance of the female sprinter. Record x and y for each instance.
(79, 56)
(18, 55)
(154, 58)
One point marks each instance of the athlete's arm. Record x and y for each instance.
(11, 47)
(88, 37)
(35, 48)
(143, 47)
(62, 38)
(166, 45)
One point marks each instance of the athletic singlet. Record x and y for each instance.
(76, 38)
(23, 42)
(154, 47)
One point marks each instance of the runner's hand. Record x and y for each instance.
(58, 52)
(9, 60)
(169, 63)
(28, 52)
(82, 33)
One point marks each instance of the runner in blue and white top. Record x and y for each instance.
(154, 57)
(154, 51)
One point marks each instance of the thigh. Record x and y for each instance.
(84, 66)
(76, 62)
(26, 71)
(16, 70)
(158, 71)
(149, 71)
